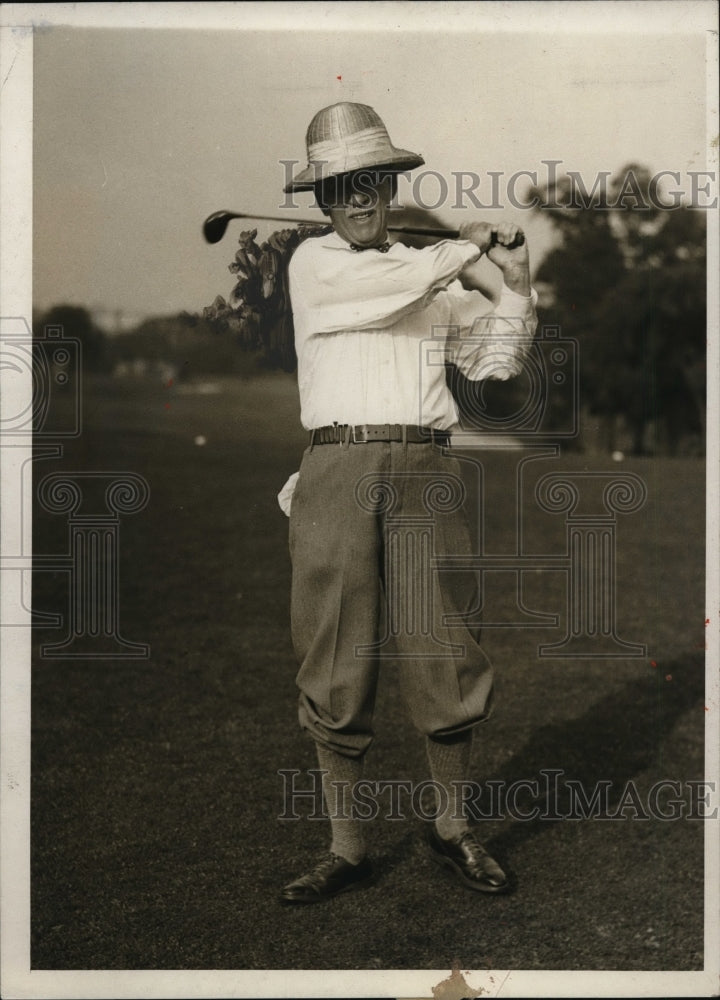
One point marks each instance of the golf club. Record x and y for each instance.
(215, 226)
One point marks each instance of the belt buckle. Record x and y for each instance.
(364, 431)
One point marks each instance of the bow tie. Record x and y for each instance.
(383, 248)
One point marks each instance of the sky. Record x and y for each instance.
(141, 131)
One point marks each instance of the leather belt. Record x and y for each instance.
(367, 433)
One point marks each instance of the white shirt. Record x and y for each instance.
(373, 332)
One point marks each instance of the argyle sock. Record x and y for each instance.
(348, 834)
(449, 759)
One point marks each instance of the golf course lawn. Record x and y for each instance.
(156, 793)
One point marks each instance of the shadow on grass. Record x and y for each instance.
(621, 736)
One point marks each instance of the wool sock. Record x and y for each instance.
(348, 834)
(449, 760)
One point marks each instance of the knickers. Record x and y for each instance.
(365, 524)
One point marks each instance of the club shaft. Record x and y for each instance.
(412, 230)
(448, 234)
(216, 225)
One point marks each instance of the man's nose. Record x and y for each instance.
(362, 199)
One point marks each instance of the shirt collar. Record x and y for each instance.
(336, 242)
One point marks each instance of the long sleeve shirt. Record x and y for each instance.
(373, 332)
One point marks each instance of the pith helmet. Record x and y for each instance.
(346, 137)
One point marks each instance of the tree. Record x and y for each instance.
(77, 322)
(628, 281)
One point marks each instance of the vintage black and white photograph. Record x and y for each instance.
(359, 499)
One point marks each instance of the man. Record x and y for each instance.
(375, 400)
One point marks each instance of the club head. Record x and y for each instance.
(215, 225)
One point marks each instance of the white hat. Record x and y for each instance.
(346, 137)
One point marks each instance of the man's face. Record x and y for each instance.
(358, 205)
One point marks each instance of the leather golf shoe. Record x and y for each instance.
(466, 857)
(329, 878)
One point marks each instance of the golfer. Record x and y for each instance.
(374, 322)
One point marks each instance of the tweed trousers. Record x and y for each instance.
(366, 523)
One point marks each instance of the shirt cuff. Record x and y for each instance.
(470, 251)
(510, 302)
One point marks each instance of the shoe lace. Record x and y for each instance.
(321, 870)
(476, 853)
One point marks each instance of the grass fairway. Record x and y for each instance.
(156, 842)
